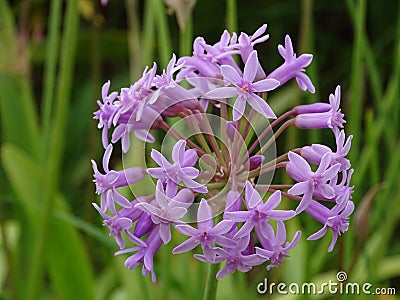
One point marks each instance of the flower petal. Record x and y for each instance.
(250, 68)
(261, 106)
(239, 107)
(230, 74)
(265, 85)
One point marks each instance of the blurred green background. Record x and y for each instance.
(54, 58)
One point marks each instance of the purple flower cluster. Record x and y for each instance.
(201, 172)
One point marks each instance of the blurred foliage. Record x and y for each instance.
(54, 57)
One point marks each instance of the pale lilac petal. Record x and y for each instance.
(294, 241)
(265, 85)
(165, 232)
(253, 198)
(147, 207)
(106, 86)
(319, 234)
(156, 172)
(190, 158)
(305, 201)
(281, 215)
(272, 202)
(245, 229)
(223, 92)
(171, 189)
(106, 157)
(239, 107)
(195, 186)
(191, 172)
(178, 152)
(224, 241)
(300, 188)
(332, 172)
(264, 253)
(327, 191)
(159, 159)
(204, 216)
(238, 216)
(187, 245)
(176, 213)
(297, 167)
(184, 198)
(186, 229)
(222, 227)
(261, 106)
(144, 135)
(230, 74)
(124, 223)
(280, 233)
(250, 68)
(120, 199)
(333, 242)
(325, 162)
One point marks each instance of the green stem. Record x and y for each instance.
(275, 136)
(147, 36)
(186, 38)
(134, 42)
(211, 283)
(164, 37)
(50, 67)
(231, 16)
(355, 110)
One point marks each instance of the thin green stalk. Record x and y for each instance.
(275, 136)
(147, 36)
(231, 16)
(134, 41)
(356, 104)
(164, 38)
(55, 149)
(210, 291)
(186, 38)
(50, 67)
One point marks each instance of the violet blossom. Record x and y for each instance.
(219, 168)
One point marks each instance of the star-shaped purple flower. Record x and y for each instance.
(181, 170)
(164, 210)
(293, 67)
(315, 152)
(236, 258)
(273, 248)
(245, 88)
(336, 218)
(145, 254)
(333, 119)
(308, 181)
(106, 184)
(206, 233)
(258, 212)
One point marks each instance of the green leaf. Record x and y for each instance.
(17, 111)
(68, 260)
(65, 252)
(24, 175)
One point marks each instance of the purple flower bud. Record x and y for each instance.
(256, 161)
(330, 119)
(293, 67)
(231, 130)
(318, 107)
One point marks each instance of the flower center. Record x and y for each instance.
(245, 88)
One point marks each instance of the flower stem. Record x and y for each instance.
(210, 291)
